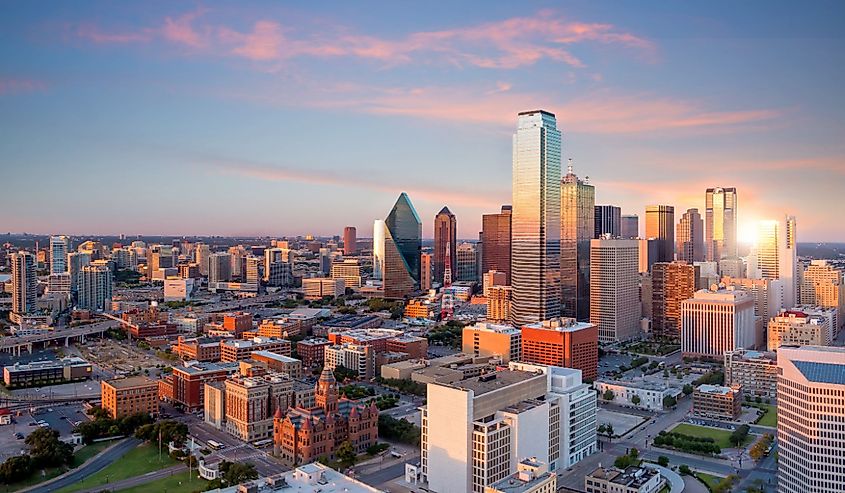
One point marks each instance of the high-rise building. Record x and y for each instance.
(59, 246)
(767, 294)
(577, 228)
(822, 285)
(201, 254)
(671, 284)
(496, 238)
(777, 257)
(349, 270)
(811, 410)
(219, 268)
(425, 271)
(796, 328)
(713, 322)
(614, 289)
(690, 237)
(278, 270)
(660, 225)
(378, 249)
(562, 342)
(629, 226)
(721, 216)
(350, 240)
(608, 221)
(491, 340)
(467, 262)
(535, 225)
(75, 262)
(475, 431)
(24, 284)
(647, 250)
(445, 237)
(499, 303)
(95, 286)
(402, 244)
(159, 257)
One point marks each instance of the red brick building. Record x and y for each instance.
(198, 348)
(302, 435)
(186, 384)
(312, 351)
(237, 323)
(562, 342)
(416, 347)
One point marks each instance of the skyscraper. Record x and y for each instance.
(445, 233)
(350, 240)
(577, 228)
(822, 285)
(614, 289)
(219, 268)
(720, 215)
(811, 410)
(691, 237)
(671, 284)
(713, 322)
(425, 271)
(777, 257)
(75, 262)
(630, 226)
(201, 254)
(402, 244)
(378, 249)
(660, 225)
(467, 263)
(24, 284)
(59, 246)
(496, 238)
(95, 286)
(535, 226)
(608, 221)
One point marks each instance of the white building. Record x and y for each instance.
(715, 321)
(202, 252)
(178, 289)
(475, 431)
(777, 258)
(59, 246)
(531, 476)
(24, 284)
(355, 357)
(811, 413)
(614, 289)
(308, 478)
(637, 393)
(316, 288)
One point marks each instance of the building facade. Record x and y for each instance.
(720, 213)
(127, 396)
(823, 285)
(756, 372)
(660, 225)
(671, 284)
(690, 237)
(496, 238)
(713, 322)
(402, 244)
(445, 238)
(490, 340)
(614, 289)
(717, 402)
(24, 285)
(563, 342)
(796, 328)
(777, 257)
(577, 228)
(350, 240)
(608, 221)
(95, 286)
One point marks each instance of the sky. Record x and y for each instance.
(286, 118)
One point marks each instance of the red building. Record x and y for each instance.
(186, 384)
(302, 435)
(563, 342)
(237, 323)
(198, 348)
(312, 351)
(375, 338)
(232, 350)
(416, 347)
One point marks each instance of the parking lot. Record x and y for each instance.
(611, 362)
(60, 418)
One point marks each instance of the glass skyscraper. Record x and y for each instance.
(402, 245)
(445, 233)
(577, 227)
(660, 225)
(378, 249)
(535, 226)
(720, 216)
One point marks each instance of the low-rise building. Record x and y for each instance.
(279, 363)
(239, 349)
(309, 478)
(203, 349)
(756, 372)
(346, 323)
(311, 351)
(531, 476)
(185, 385)
(415, 347)
(176, 289)
(492, 340)
(127, 396)
(356, 357)
(420, 308)
(717, 402)
(631, 480)
(317, 288)
(40, 373)
(635, 393)
(375, 338)
(251, 402)
(797, 328)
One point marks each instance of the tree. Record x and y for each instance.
(608, 395)
(233, 473)
(738, 436)
(688, 389)
(609, 431)
(635, 400)
(47, 450)
(16, 468)
(601, 429)
(346, 452)
(669, 401)
(663, 461)
(684, 469)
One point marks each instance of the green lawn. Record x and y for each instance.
(178, 483)
(708, 479)
(770, 418)
(136, 462)
(722, 437)
(39, 476)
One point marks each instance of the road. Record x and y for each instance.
(98, 463)
(390, 472)
(139, 480)
(6, 343)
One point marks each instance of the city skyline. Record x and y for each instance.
(229, 102)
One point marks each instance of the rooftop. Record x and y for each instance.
(308, 478)
(832, 373)
(495, 381)
(196, 367)
(496, 328)
(126, 383)
(562, 324)
(276, 356)
(715, 389)
(41, 365)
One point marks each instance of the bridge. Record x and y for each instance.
(15, 345)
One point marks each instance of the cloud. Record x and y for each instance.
(17, 86)
(93, 33)
(181, 30)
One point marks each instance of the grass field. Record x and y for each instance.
(722, 437)
(771, 416)
(39, 476)
(136, 462)
(708, 479)
(178, 483)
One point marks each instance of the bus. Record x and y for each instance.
(262, 443)
(214, 445)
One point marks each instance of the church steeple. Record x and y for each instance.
(325, 392)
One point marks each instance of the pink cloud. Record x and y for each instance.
(93, 33)
(16, 86)
(181, 30)
(263, 43)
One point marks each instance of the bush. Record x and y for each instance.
(398, 429)
(684, 470)
(663, 461)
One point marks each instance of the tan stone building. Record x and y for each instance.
(716, 401)
(127, 396)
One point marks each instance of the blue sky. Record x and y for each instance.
(272, 118)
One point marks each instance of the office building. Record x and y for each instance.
(756, 372)
(75, 262)
(629, 228)
(219, 268)
(445, 238)
(716, 321)
(178, 289)
(252, 402)
(426, 271)
(348, 270)
(690, 237)
(720, 213)
(312, 351)
(95, 286)
(43, 373)
(59, 283)
(562, 342)
(317, 288)
(796, 328)
(496, 238)
(647, 254)
(24, 285)
(614, 289)
(577, 228)
(232, 350)
(127, 396)
(350, 240)
(660, 225)
(732, 267)
(185, 385)
(277, 267)
(59, 246)
(531, 476)
(830, 315)
(535, 222)
(633, 479)
(777, 258)
(356, 357)
(608, 221)
(492, 278)
(378, 249)
(823, 285)
(490, 340)
(402, 243)
(467, 262)
(671, 284)
(811, 410)
(159, 257)
(717, 402)
(476, 431)
(202, 252)
(499, 303)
